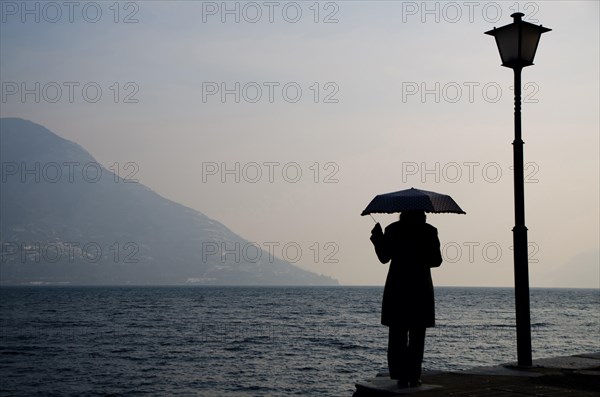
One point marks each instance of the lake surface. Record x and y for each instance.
(257, 341)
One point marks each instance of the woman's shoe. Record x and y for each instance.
(415, 383)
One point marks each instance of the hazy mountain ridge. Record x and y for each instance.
(108, 230)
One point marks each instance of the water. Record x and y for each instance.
(245, 341)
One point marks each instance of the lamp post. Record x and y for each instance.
(517, 43)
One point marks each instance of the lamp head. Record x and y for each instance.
(518, 41)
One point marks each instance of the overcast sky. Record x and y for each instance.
(282, 120)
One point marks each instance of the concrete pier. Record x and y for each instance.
(568, 376)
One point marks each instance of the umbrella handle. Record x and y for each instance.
(372, 218)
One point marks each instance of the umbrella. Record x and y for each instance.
(412, 200)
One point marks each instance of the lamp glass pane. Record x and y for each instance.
(529, 42)
(507, 39)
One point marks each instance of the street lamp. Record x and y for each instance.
(517, 44)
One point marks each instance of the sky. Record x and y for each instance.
(282, 120)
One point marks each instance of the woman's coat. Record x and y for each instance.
(413, 249)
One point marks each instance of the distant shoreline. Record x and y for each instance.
(67, 285)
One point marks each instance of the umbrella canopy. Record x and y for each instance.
(412, 200)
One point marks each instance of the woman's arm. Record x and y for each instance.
(379, 240)
(435, 259)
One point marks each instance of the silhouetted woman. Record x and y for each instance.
(408, 306)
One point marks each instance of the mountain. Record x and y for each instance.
(65, 219)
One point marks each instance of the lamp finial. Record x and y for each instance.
(517, 16)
